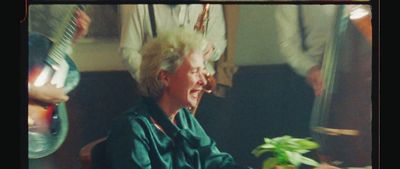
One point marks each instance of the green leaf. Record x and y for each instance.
(307, 144)
(270, 163)
(267, 146)
(302, 151)
(286, 150)
(262, 149)
(267, 140)
(294, 158)
(259, 152)
(285, 138)
(309, 161)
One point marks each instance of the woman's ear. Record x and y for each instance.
(163, 76)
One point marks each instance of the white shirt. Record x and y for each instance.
(317, 21)
(136, 28)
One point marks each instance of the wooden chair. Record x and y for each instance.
(92, 155)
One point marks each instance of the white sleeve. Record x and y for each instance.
(289, 39)
(216, 31)
(132, 36)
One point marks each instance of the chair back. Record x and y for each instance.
(93, 155)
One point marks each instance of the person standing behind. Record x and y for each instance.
(137, 29)
(44, 21)
(303, 32)
(49, 93)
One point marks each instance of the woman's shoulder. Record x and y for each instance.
(133, 117)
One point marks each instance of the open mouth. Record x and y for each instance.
(195, 93)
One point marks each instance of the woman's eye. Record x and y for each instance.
(195, 70)
(204, 71)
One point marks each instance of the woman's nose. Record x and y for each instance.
(203, 79)
(208, 87)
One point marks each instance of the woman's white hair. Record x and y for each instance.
(166, 53)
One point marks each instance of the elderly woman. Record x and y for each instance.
(160, 132)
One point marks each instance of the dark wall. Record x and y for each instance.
(265, 101)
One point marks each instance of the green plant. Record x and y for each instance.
(286, 151)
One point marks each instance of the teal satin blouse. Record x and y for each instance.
(135, 142)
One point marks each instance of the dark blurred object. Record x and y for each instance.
(342, 115)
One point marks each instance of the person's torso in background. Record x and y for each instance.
(318, 22)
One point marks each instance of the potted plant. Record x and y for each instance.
(287, 152)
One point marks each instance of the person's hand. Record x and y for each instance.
(48, 93)
(31, 122)
(326, 166)
(82, 24)
(35, 114)
(314, 79)
(38, 116)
